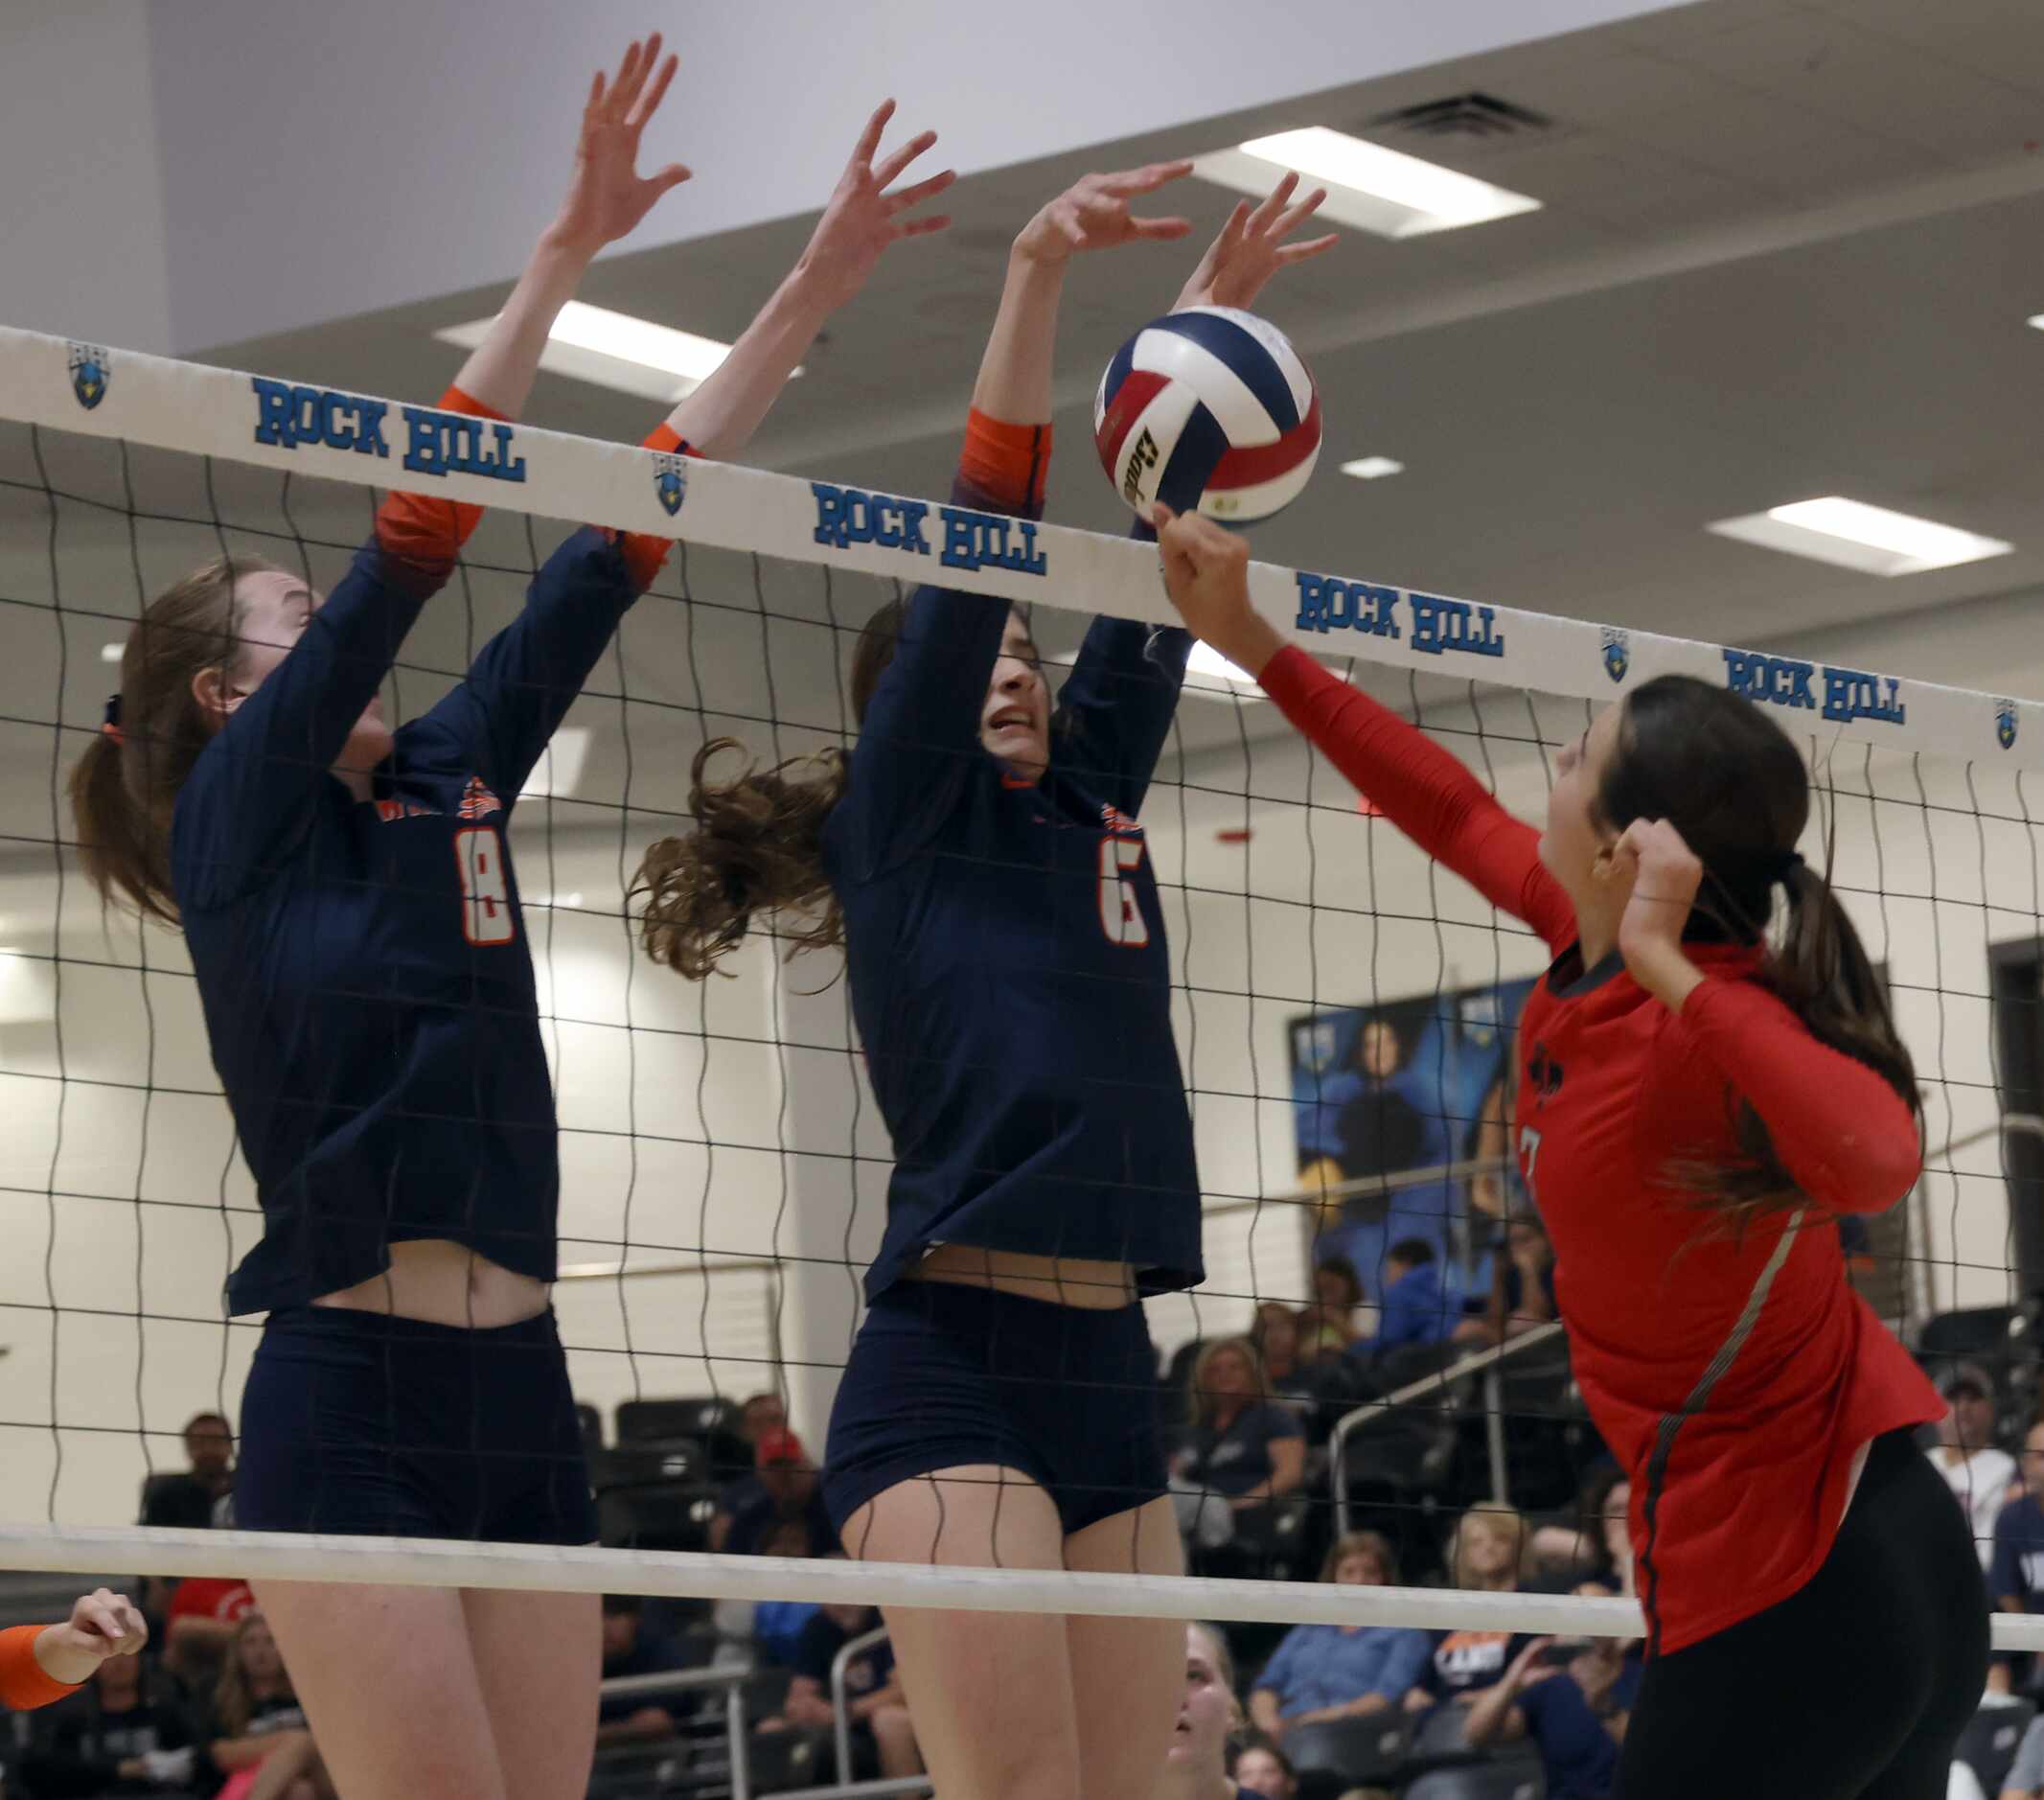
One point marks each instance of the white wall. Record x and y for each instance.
(82, 210)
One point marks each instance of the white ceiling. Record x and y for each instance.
(188, 174)
(1787, 250)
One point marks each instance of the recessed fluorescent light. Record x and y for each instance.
(1375, 189)
(112, 653)
(1850, 534)
(615, 350)
(558, 900)
(2035, 321)
(1208, 675)
(559, 766)
(1372, 467)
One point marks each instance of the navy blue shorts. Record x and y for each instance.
(364, 1424)
(942, 1375)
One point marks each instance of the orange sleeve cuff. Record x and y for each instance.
(643, 552)
(1005, 462)
(428, 530)
(23, 1682)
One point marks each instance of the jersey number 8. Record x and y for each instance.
(486, 915)
(1120, 917)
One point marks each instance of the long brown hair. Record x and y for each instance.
(1733, 784)
(234, 1701)
(757, 846)
(125, 785)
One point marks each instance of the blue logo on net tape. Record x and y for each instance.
(91, 371)
(670, 481)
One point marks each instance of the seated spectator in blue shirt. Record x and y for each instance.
(1242, 1451)
(1487, 1550)
(2015, 1573)
(1413, 1308)
(1574, 1711)
(1326, 1672)
(790, 1493)
(630, 1650)
(882, 1735)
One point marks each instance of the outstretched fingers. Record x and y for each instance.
(868, 145)
(650, 103)
(1148, 179)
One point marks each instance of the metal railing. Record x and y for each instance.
(1483, 1362)
(699, 1680)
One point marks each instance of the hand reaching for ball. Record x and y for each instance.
(1206, 571)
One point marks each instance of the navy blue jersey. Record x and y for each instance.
(1005, 949)
(362, 964)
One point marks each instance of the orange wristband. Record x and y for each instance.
(1005, 462)
(23, 1680)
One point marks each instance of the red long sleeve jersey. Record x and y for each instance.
(1735, 1379)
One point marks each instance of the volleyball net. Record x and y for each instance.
(1345, 1013)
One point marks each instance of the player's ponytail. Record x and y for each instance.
(757, 846)
(757, 849)
(125, 786)
(1733, 783)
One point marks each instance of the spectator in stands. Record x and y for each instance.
(1328, 1325)
(1412, 1307)
(1209, 1715)
(204, 1612)
(1488, 1550)
(631, 1650)
(1595, 1554)
(196, 1497)
(882, 1737)
(1573, 1700)
(764, 1633)
(1243, 1450)
(1276, 1337)
(1522, 1286)
(111, 1737)
(253, 1742)
(757, 1416)
(789, 1495)
(1262, 1768)
(2016, 1571)
(1965, 1455)
(187, 1497)
(1327, 1672)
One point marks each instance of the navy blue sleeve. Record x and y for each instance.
(920, 736)
(250, 795)
(1117, 705)
(524, 681)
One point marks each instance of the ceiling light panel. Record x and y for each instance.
(1380, 190)
(615, 350)
(1850, 534)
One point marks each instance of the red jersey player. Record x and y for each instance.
(1689, 1099)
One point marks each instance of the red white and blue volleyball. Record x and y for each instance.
(1208, 409)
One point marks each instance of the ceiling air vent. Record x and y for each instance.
(1463, 115)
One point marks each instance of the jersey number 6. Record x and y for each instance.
(1120, 917)
(486, 915)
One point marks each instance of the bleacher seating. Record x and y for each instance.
(1507, 1778)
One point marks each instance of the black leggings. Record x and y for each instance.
(1853, 1688)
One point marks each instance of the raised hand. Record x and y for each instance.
(1205, 572)
(1252, 249)
(608, 196)
(864, 217)
(1094, 214)
(1659, 875)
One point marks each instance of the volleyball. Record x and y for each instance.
(1211, 409)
